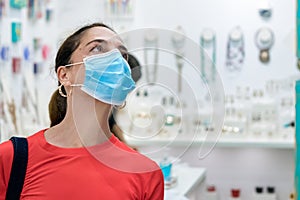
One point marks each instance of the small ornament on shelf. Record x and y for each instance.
(119, 9)
(18, 4)
(16, 31)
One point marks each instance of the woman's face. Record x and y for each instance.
(95, 40)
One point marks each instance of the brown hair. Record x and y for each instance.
(58, 104)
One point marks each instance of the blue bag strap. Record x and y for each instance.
(18, 169)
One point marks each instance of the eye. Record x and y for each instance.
(98, 49)
(124, 54)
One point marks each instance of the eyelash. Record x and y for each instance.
(96, 47)
(124, 54)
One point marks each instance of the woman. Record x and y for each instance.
(79, 158)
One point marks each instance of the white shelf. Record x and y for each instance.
(222, 142)
(189, 181)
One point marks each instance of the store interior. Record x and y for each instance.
(216, 97)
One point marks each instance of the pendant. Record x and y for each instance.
(264, 40)
(151, 48)
(178, 41)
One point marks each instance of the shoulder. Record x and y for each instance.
(6, 151)
(119, 156)
(36, 135)
(6, 158)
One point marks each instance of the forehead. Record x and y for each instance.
(100, 33)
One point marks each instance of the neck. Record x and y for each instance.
(85, 124)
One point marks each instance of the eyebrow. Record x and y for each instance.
(96, 40)
(122, 47)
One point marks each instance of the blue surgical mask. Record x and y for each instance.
(107, 77)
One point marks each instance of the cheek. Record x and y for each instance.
(79, 75)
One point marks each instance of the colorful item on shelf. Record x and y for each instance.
(235, 55)
(16, 65)
(18, 4)
(264, 40)
(119, 8)
(35, 9)
(4, 53)
(2, 8)
(26, 53)
(45, 52)
(49, 14)
(30, 9)
(211, 193)
(16, 31)
(36, 43)
(166, 167)
(37, 68)
(235, 193)
(38, 9)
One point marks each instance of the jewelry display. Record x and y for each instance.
(264, 40)
(178, 44)
(172, 119)
(235, 54)
(151, 47)
(208, 43)
(140, 117)
(30, 99)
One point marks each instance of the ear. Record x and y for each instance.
(63, 75)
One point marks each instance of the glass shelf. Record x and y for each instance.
(286, 143)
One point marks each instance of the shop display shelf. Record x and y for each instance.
(286, 143)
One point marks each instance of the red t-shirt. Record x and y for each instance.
(107, 171)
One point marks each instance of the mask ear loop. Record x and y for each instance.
(74, 85)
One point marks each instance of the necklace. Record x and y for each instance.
(151, 44)
(235, 50)
(178, 41)
(207, 52)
